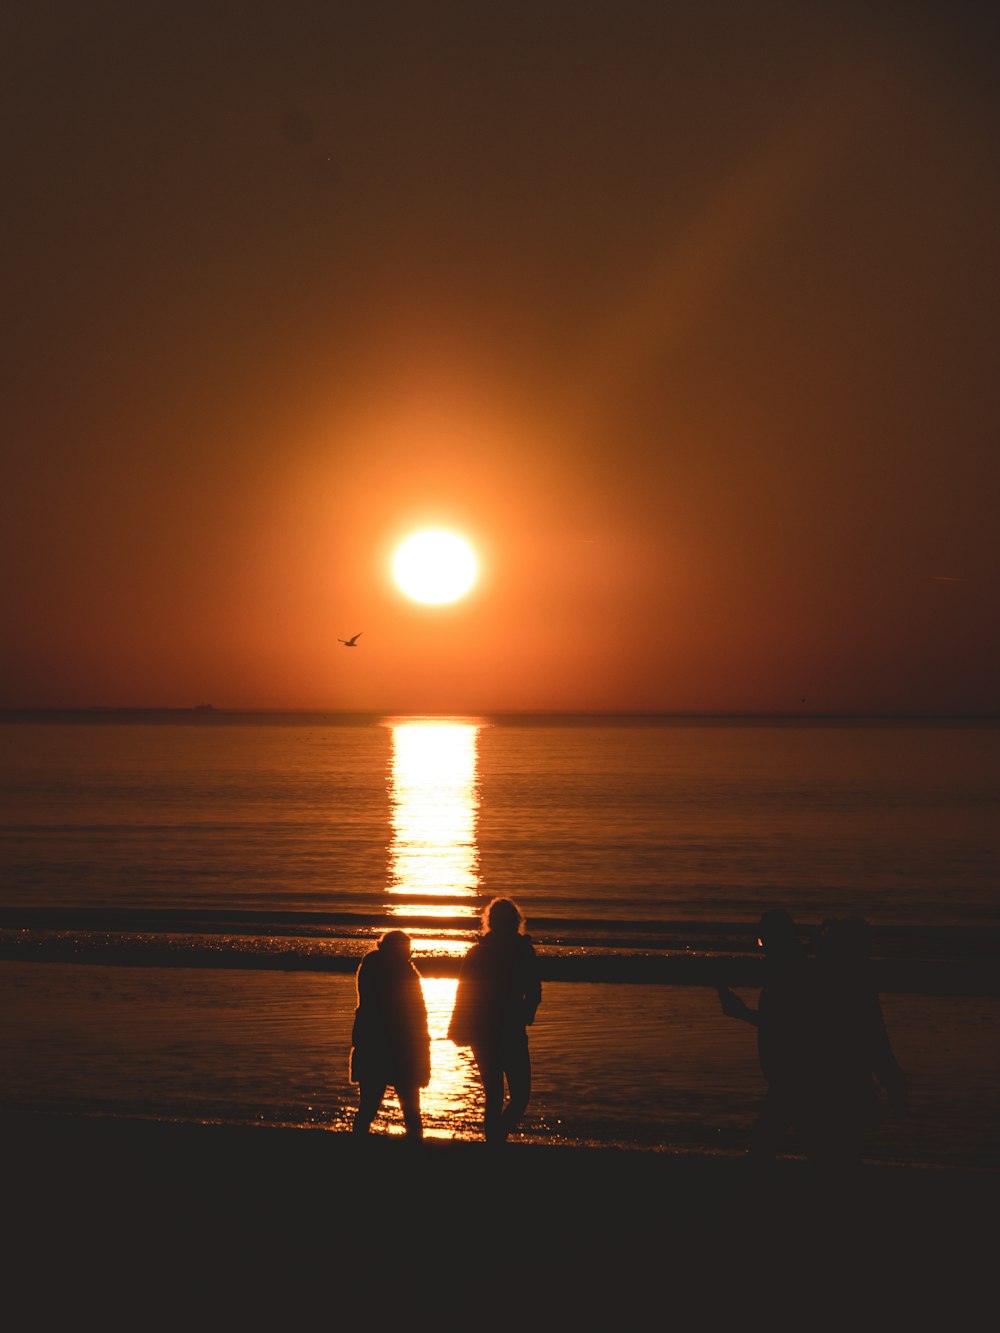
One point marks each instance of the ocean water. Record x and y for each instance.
(184, 898)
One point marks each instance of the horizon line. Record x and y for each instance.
(210, 710)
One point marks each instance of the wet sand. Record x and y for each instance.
(164, 1224)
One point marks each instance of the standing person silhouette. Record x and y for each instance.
(498, 993)
(786, 1023)
(390, 1042)
(856, 1057)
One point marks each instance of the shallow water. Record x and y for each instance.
(655, 1066)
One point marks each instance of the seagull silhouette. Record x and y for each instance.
(352, 642)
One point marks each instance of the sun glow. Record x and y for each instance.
(435, 567)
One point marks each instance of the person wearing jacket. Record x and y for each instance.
(390, 1042)
(499, 991)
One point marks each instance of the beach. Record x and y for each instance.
(182, 912)
(258, 1224)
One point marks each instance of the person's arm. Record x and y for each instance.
(461, 1023)
(533, 987)
(365, 980)
(363, 1012)
(884, 1064)
(421, 1034)
(734, 1007)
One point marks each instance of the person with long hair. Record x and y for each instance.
(390, 1042)
(499, 991)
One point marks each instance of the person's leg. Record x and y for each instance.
(409, 1101)
(517, 1068)
(490, 1066)
(370, 1099)
(770, 1128)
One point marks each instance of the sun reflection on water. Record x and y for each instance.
(434, 802)
(453, 1096)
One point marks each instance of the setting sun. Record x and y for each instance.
(434, 567)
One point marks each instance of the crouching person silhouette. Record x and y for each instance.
(498, 993)
(390, 1042)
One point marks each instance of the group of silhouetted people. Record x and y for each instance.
(499, 990)
(821, 1040)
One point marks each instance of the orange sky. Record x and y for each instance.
(683, 315)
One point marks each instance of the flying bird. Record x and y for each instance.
(352, 642)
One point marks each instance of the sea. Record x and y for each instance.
(185, 896)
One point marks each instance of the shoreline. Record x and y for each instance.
(86, 1130)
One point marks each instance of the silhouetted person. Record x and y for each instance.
(390, 1041)
(498, 992)
(785, 1019)
(856, 1057)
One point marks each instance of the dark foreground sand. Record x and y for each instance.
(149, 1225)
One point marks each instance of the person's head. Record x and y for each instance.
(395, 944)
(503, 917)
(776, 932)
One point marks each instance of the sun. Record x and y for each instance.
(435, 567)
